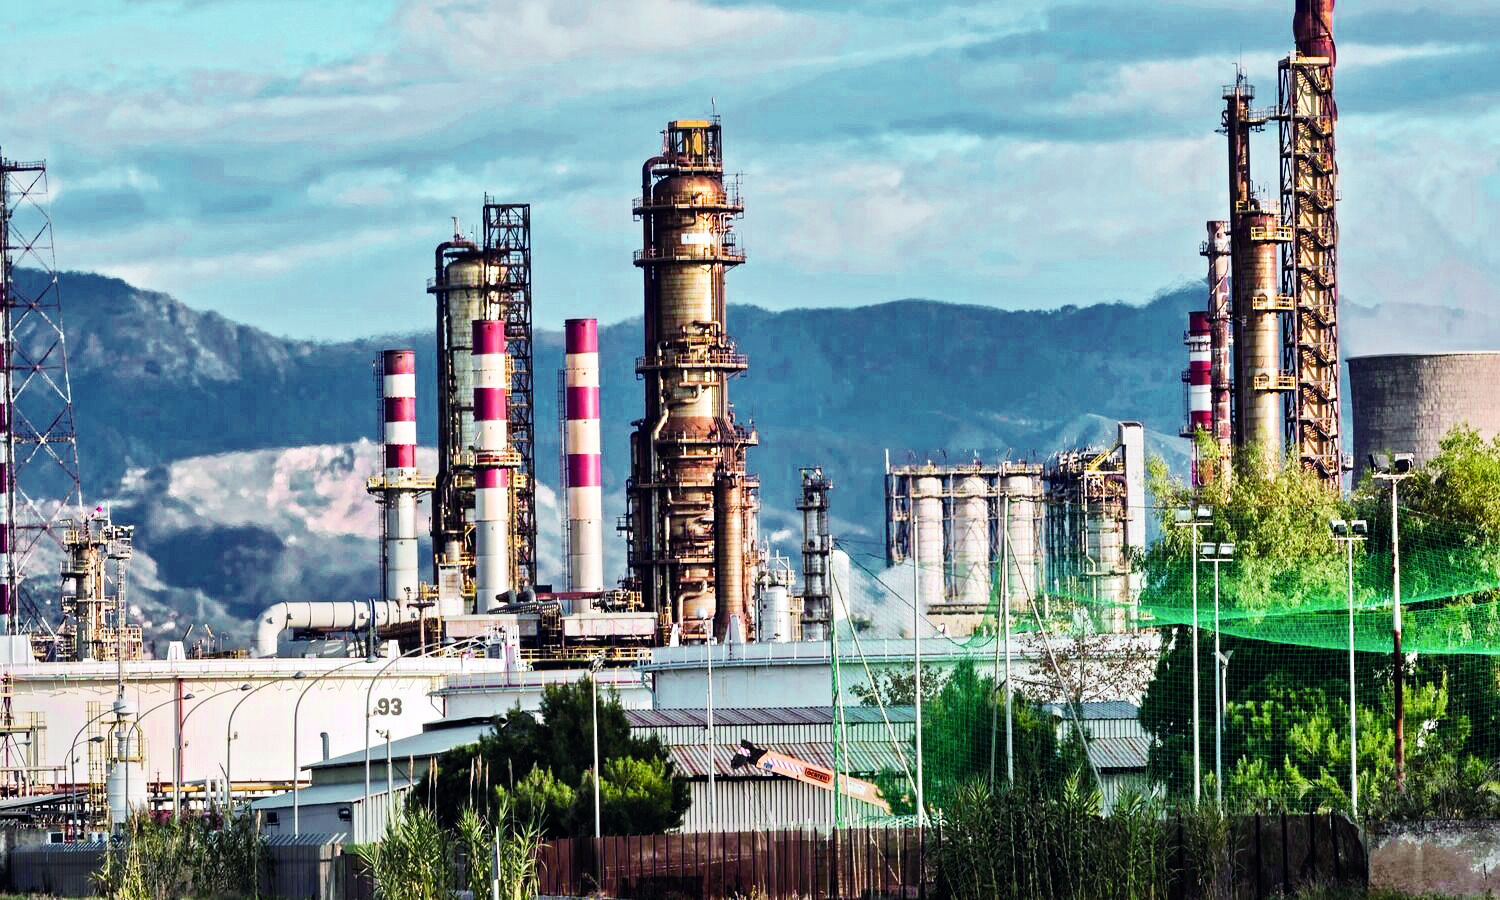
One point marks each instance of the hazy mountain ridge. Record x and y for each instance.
(158, 385)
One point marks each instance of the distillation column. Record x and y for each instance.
(690, 497)
(584, 468)
(457, 286)
(817, 547)
(1257, 304)
(494, 553)
(1309, 266)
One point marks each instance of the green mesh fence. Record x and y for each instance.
(1103, 690)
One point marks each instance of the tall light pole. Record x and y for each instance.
(1218, 554)
(1195, 519)
(369, 692)
(177, 749)
(594, 685)
(713, 800)
(916, 638)
(134, 732)
(1347, 533)
(1399, 469)
(73, 775)
(229, 736)
(74, 744)
(296, 760)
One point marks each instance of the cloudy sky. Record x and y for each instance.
(292, 164)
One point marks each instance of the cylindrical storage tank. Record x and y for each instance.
(492, 508)
(464, 278)
(927, 506)
(1407, 402)
(1258, 337)
(124, 776)
(971, 543)
(584, 474)
(1022, 560)
(773, 614)
(399, 387)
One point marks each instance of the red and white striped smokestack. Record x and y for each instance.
(399, 388)
(1197, 376)
(584, 475)
(491, 475)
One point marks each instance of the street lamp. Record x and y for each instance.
(594, 685)
(134, 732)
(296, 761)
(177, 748)
(1400, 468)
(1218, 554)
(72, 746)
(1347, 533)
(73, 777)
(365, 809)
(229, 737)
(390, 781)
(1195, 519)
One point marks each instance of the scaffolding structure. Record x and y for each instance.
(22, 748)
(40, 479)
(817, 551)
(1309, 263)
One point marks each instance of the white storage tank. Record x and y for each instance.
(773, 614)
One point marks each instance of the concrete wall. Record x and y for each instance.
(1460, 859)
(1408, 402)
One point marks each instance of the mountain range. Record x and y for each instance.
(240, 455)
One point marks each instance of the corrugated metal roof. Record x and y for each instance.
(770, 715)
(1115, 753)
(421, 746)
(865, 757)
(304, 840)
(1102, 709)
(331, 793)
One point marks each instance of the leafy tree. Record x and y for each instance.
(540, 763)
(959, 734)
(639, 796)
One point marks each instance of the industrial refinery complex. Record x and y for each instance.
(461, 627)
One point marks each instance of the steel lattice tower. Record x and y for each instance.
(507, 261)
(41, 441)
(1309, 265)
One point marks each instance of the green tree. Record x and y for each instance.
(540, 763)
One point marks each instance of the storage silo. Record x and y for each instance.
(971, 543)
(1407, 402)
(927, 507)
(1023, 571)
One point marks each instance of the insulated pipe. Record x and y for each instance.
(329, 615)
(491, 479)
(583, 478)
(399, 388)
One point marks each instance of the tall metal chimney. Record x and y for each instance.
(493, 460)
(399, 488)
(583, 473)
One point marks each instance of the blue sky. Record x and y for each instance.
(292, 164)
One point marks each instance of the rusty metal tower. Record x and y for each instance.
(1309, 265)
(1216, 250)
(692, 506)
(40, 476)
